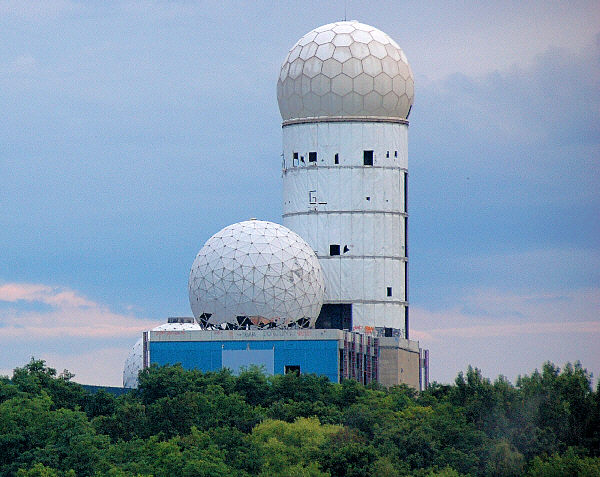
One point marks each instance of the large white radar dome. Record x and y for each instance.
(134, 362)
(256, 273)
(345, 69)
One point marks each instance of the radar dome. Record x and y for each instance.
(256, 273)
(134, 362)
(345, 69)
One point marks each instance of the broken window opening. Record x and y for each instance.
(346, 249)
(368, 158)
(387, 154)
(395, 153)
(295, 160)
(334, 249)
(336, 159)
(389, 291)
(292, 369)
(312, 156)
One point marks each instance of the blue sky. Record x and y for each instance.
(130, 132)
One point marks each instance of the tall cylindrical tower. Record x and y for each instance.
(345, 92)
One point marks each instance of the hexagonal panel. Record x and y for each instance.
(363, 84)
(285, 69)
(344, 27)
(390, 101)
(372, 101)
(390, 67)
(392, 52)
(342, 53)
(359, 50)
(296, 68)
(325, 51)
(320, 84)
(372, 66)
(312, 67)
(306, 39)
(331, 68)
(403, 70)
(352, 67)
(324, 37)
(383, 84)
(312, 102)
(288, 88)
(410, 88)
(361, 36)
(352, 103)
(342, 39)
(304, 82)
(295, 53)
(376, 49)
(381, 37)
(341, 84)
(308, 50)
(399, 85)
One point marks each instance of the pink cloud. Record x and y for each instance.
(492, 313)
(70, 315)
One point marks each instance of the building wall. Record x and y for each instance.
(360, 208)
(399, 363)
(313, 356)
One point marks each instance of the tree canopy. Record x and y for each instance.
(189, 423)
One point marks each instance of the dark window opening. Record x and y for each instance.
(181, 319)
(395, 153)
(405, 281)
(387, 154)
(302, 159)
(312, 157)
(389, 291)
(368, 197)
(346, 249)
(335, 316)
(406, 236)
(368, 158)
(295, 159)
(336, 159)
(296, 155)
(334, 249)
(292, 369)
(388, 332)
(405, 192)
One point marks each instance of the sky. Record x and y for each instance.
(130, 132)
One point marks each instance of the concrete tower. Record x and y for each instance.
(345, 92)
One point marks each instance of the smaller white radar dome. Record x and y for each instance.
(345, 70)
(256, 273)
(134, 362)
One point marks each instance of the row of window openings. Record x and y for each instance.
(312, 157)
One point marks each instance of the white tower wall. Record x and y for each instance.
(361, 208)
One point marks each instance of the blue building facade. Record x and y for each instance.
(275, 356)
(336, 354)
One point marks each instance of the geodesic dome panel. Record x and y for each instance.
(134, 362)
(345, 69)
(133, 365)
(256, 272)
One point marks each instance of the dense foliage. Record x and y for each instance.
(190, 423)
